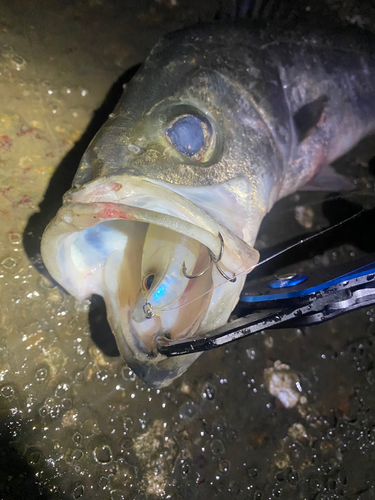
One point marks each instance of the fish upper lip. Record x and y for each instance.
(143, 194)
(98, 202)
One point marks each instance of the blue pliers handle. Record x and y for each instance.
(288, 301)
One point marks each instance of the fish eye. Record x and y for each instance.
(191, 135)
(148, 280)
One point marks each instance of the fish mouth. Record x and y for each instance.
(95, 244)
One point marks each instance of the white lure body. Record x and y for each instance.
(163, 281)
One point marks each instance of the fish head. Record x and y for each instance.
(165, 207)
(189, 120)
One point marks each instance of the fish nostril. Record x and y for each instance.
(149, 279)
(134, 149)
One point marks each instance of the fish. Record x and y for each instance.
(220, 122)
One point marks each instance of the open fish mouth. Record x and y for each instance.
(163, 264)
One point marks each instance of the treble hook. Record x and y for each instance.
(213, 259)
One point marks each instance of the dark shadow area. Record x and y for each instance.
(284, 14)
(18, 479)
(356, 232)
(101, 332)
(371, 166)
(63, 176)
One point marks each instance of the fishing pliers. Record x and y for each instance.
(291, 300)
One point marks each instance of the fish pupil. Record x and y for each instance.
(187, 134)
(148, 281)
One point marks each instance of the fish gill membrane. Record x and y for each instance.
(102, 242)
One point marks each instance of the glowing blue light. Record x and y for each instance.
(159, 293)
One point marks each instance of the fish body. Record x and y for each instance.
(219, 123)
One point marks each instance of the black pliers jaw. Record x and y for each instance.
(289, 301)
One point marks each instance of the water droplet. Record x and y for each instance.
(57, 445)
(49, 402)
(280, 476)
(66, 403)
(102, 375)
(217, 447)
(231, 435)
(251, 354)
(55, 411)
(188, 411)
(331, 434)
(276, 492)
(15, 238)
(8, 263)
(45, 283)
(18, 62)
(43, 411)
(253, 472)
(76, 455)
(223, 467)
(118, 495)
(77, 438)
(209, 391)
(126, 443)
(78, 490)
(62, 389)
(41, 374)
(332, 484)
(257, 495)
(103, 454)
(128, 423)
(234, 488)
(127, 374)
(33, 456)
(7, 391)
(185, 469)
(103, 482)
(79, 377)
(54, 109)
(292, 476)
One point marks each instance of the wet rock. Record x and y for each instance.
(305, 216)
(156, 453)
(283, 383)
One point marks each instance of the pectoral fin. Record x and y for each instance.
(328, 180)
